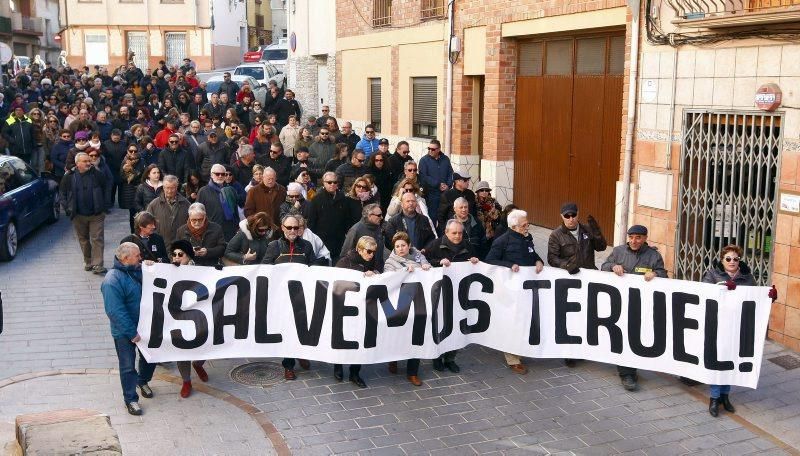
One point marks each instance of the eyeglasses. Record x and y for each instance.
(291, 228)
(132, 151)
(734, 259)
(35, 114)
(173, 142)
(360, 160)
(484, 190)
(66, 136)
(369, 251)
(362, 186)
(81, 139)
(370, 132)
(571, 215)
(325, 110)
(377, 215)
(408, 190)
(411, 170)
(332, 182)
(433, 148)
(323, 134)
(272, 151)
(178, 254)
(93, 155)
(219, 174)
(293, 196)
(379, 161)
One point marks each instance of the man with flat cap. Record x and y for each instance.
(572, 245)
(635, 257)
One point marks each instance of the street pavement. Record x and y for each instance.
(55, 326)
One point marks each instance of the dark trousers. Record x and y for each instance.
(448, 357)
(623, 371)
(288, 363)
(128, 376)
(412, 367)
(131, 215)
(354, 369)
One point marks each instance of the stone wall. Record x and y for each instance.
(302, 78)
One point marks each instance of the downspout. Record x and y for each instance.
(448, 103)
(672, 108)
(625, 203)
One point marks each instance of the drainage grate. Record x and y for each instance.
(260, 373)
(788, 362)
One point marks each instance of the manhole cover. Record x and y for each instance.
(787, 362)
(258, 374)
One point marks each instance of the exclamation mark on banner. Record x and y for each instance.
(747, 335)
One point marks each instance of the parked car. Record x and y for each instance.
(27, 200)
(213, 83)
(263, 72)
(255, 53)
(276, 54)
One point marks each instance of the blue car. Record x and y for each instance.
(27, 200)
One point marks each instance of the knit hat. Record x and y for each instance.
(183, 244)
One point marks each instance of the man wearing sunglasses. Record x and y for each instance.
(635, 257)
(329, 214)
(572, 245)
(347, 173)
(436, 176)
(369, 143)
(290, 248)
(175, 159)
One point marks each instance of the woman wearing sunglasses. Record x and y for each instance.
(250, 243)
(360, 258)
(730, 271)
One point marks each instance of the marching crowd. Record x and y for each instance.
(218, 179)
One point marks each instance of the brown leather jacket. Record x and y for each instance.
(563, 251)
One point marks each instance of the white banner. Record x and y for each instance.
(701, 331)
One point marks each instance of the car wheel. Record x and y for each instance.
(9, 242)
(55, 211)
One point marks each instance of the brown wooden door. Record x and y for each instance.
(568, 127)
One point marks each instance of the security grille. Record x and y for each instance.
(381, 13)
(176, 48)
(375, 102)
(729, 177)
(137, 42)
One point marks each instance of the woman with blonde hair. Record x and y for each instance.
(361, 191)
(406, 185)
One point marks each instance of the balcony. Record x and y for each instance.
(733, 13)
(5, 25)
(26, 25)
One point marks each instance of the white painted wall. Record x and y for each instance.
(47, 10)
(229, 16)
(279, 19)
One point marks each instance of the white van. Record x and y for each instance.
(276, 54)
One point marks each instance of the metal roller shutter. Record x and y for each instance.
(424, 110)
(375, 102)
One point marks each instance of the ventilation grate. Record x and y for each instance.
(787, 362)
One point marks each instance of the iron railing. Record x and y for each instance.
(26, 24)
(704, 9)
(381, 13)
(433, 8)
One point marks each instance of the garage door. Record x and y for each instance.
(176, 48)
(568, 126)
(137, 42)
(96, 50)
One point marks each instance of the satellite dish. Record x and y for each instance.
(5, 53)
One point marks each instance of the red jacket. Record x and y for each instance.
(162, 138)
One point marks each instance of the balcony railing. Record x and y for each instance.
(25, 24)
(433, 9)
(5, 25)
(381, 13)
(728, 13)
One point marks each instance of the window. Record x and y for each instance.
(96, 49)
(375, 102)
(424, 116)
(25, 173)
(8, 180)
(256, 72)
(432, 9)
(381, 13)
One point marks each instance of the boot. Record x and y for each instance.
(186, 389)
(713, 407)
(726, 402)
(337, 372)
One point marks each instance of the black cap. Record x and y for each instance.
(116, 131)
(212, 132)
(458, 177)
(383, 141)
(568, 208)
(302, 149)
(183, 244)
(638, 229)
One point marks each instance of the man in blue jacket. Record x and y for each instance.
(369, 143)
(122, 291)
(436, 176)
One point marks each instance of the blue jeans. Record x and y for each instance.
(716, 390)
(128, 376)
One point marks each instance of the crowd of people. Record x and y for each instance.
(220, 179)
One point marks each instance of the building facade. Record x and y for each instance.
(524, 67)
(213, 33)
(49, 41)
(311, 66)
(279, 26)
(259, 20)
(24, 27)
(711, 167)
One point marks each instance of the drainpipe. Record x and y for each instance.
(672, 107)
(448, 103)
(625, 203)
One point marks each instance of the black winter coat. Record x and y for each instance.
(212, 240)
(100, 192)
(152, 248)
(513, 248)
(281, 251)
(144, 194)
(352, 260)
(717, 274)
(446, 206)
(441, 249)
(210, 155)
(423, 232)
(243, 241)
(178, 162)
(329, 217)
(282, 166)
(115, 152)
(127, 190)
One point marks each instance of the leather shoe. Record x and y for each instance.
(289, 374)
(337, 372)
(304, 364)
(453, 367)
(200, 371)
(519, 369)
(570, 362)
(358, 381)
(713, 407)
(186, 389)
(392, 367)
(146, 391)
(414, 380)
(629, 383)
(726, 402)
(438, 365)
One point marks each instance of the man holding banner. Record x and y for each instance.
(635, 257)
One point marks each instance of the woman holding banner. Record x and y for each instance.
(730, 271)
(406, 258)
(361, 258)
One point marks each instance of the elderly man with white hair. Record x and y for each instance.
(219, 200)
(205, 236)
(266, 197)
(243, 167)
(513, 249)
(122, 291)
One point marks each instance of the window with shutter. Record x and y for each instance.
(424, 113)
(375, 102)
